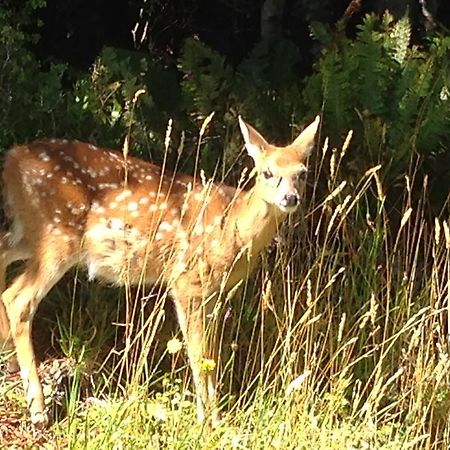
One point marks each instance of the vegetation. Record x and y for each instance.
(340, 340)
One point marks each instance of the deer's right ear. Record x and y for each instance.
(305, 142)
(254, 142)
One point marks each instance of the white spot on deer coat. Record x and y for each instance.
(123, 195)
(198, 230)
(165, 226)
(132, 206)
(44, 156)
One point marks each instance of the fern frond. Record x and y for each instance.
(400, 39)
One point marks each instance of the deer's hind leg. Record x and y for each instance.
(51, 259)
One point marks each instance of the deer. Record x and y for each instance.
(126, 220)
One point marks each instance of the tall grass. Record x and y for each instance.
(340, 340)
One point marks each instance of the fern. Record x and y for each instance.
(207, 78)
(391, 93)
(268, 88)
(400, 38)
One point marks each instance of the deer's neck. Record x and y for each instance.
(255, 221)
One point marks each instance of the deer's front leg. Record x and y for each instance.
(198, 332)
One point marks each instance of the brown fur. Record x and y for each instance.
(71, 203)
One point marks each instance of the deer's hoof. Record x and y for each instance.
(39, 420)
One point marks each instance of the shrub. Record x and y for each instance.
(393, 94)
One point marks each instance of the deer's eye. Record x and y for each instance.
(267, 174)
(303, 175)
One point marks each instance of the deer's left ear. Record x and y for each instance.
(304, 143)
(254, 142)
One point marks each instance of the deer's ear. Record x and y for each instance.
(254, 142)
(304, 143)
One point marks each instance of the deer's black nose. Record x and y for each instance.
(290, 200)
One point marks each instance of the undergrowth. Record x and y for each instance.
(339, 340)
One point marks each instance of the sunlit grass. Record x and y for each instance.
(340, 340)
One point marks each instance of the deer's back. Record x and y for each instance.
(125, 220)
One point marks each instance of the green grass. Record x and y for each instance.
(339, 341)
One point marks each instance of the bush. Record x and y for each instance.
(30, 97)
(394, 95)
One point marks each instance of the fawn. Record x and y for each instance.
(75, 204)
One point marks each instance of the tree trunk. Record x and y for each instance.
(272, 20)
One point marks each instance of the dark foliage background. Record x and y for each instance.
(378, 67)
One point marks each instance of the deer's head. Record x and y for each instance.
(281, 171)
